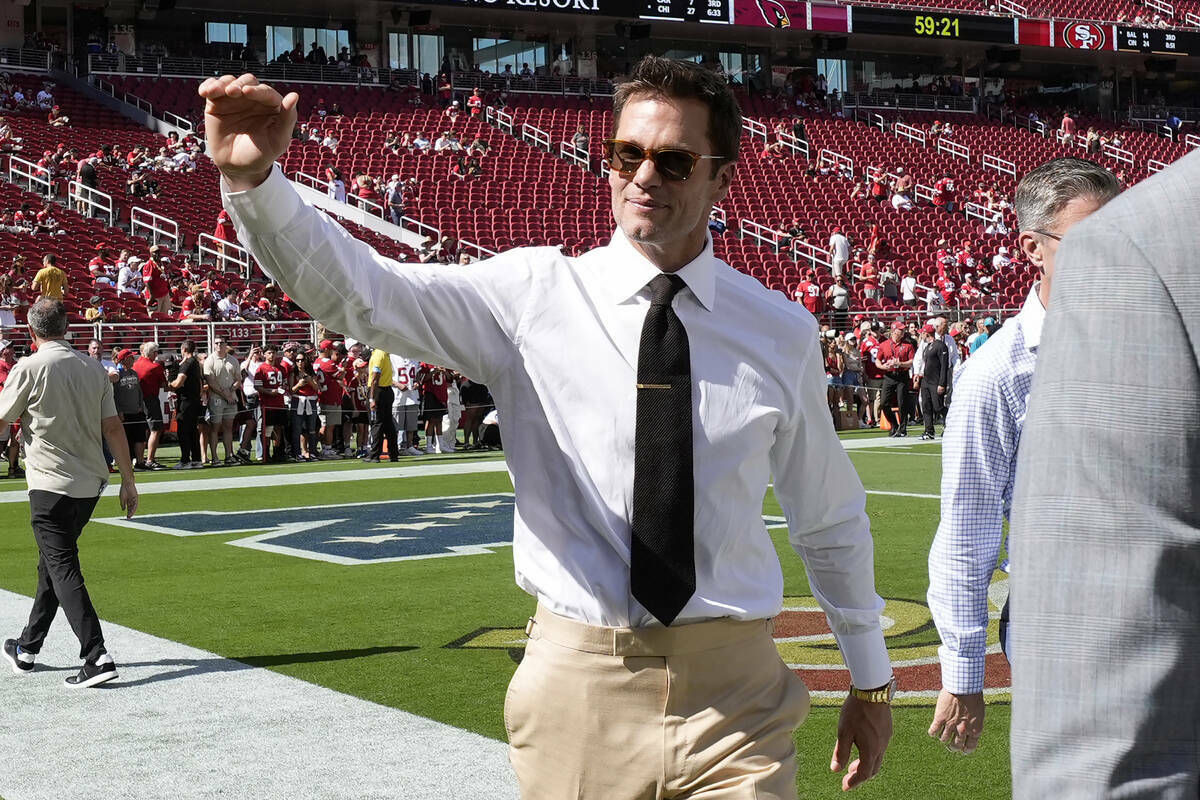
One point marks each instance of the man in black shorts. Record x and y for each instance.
(131, 406)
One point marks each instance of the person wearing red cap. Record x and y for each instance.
(895, 358)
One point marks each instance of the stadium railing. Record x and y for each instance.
(476, 250)
(577, 155)
(535, 136)
(844, 163)
(155, 227)
(566, 86)
(955, 149)
(913, 134)
(127, 97)
(754, 128)
(210, 249)
(1001, 165)
(764, 234)
(21, 170)
(25, 60)
(910, 102)
(169, 335)
(97, 202)
(807, 251)
(121, 64)
(794, 144)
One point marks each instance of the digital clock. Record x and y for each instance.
(932, 25)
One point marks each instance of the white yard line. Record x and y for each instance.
(413, 470)
(186, 724)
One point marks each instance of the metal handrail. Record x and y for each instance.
(93, 199)
(763, 233)
(156, 224)
(910, 132)
(569, 152)
(224, 253)
(31, 173)
(796, 145)
(421, 227)
(535, 136)
(754, 128)
(1002, 165)
(954, 148)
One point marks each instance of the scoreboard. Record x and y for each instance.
(1156, 40)
(711, 11)
(932, 25)
(714, 11)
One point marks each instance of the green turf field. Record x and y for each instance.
(438, 636)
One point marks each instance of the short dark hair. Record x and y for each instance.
(188, 346)
(655, 76)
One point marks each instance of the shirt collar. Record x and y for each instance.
(629, 271)
(1031, 317)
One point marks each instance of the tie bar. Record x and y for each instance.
(654, 386)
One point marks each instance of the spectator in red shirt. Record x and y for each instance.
(270, 383)
(475, 103)
(1066, 129)
(154, 278)
(810, 295)
(868, 276)
(153, 379)
(868, 344)
(9, 434)
(944, 194)
(434, 394)
(895, 358)
(102, 268)
(329, 375)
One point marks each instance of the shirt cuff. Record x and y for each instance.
(268, 207)
(961, 674)
(867, 658)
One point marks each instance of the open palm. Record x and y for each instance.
(248, 125)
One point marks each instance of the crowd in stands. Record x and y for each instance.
(280, 404)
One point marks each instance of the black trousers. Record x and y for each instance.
(187, 428)
(383, 425)
(931, 404)
(58, 522)
(895, 391)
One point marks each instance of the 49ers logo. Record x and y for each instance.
(1084, 36)
(805, 642)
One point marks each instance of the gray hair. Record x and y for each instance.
(1046, 190)
(48, 319)
(149, 349)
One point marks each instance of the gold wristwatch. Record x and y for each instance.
(883, 694)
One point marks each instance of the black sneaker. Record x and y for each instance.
(15, 472)
(93, 674)
(22, 662)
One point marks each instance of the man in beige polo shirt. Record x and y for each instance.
(222, 373)
(64, 401)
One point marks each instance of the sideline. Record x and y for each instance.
(187, 724)
(403, 470)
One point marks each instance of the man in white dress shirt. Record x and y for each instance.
(650, 670)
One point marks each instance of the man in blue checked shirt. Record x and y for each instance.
(979, 449)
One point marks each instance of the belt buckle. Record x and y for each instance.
(529, 627)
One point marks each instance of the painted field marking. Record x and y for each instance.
(188, 724)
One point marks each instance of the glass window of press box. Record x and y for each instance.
(225, 33)
(283, 39)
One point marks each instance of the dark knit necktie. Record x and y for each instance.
(663, 566)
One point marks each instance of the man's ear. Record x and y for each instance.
(1031, 249)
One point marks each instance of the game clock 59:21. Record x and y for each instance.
(927, 25)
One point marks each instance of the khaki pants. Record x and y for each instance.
(696, 711)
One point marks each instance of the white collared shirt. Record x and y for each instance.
(556, 341)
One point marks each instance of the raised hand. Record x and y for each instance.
(248, 125)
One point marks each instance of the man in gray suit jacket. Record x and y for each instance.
(1106, 574)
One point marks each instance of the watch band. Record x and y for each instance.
(883, 694)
